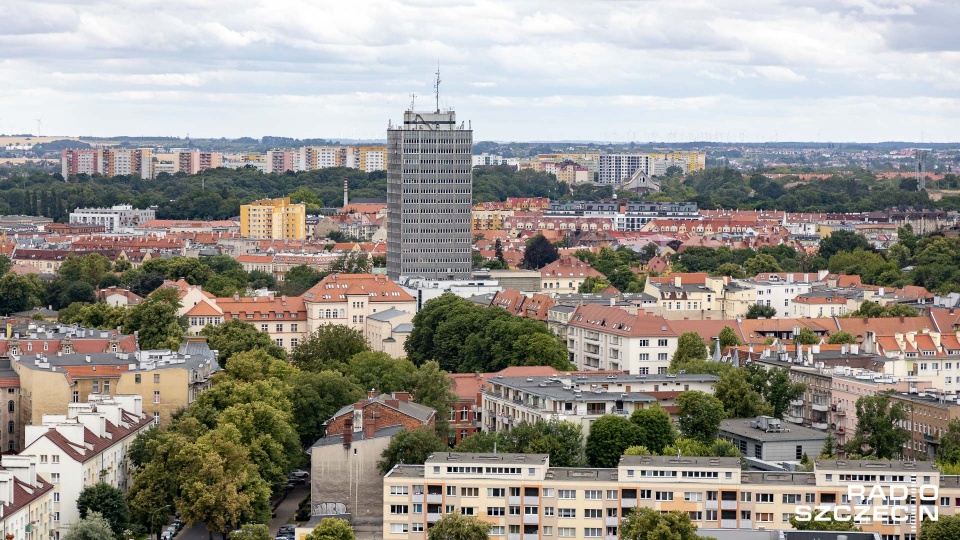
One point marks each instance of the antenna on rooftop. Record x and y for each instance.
(436, 87)
(413, 101)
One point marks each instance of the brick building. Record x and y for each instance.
(380, 411)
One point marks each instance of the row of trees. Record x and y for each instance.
(465, 338)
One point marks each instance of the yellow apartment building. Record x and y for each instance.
(274, 219)
(523, 498)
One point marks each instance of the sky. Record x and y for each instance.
(518, 70)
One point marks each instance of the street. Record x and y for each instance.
(285, 512)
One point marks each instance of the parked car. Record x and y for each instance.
(297, 480)
(178, 523)
(288, 530)
(300, 473)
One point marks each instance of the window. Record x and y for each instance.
(448, 509)
(398, 528)
(548, 511)
(451, 491)
(567, 512)
(567, 494)
(745, 515)
(514, 492)
(136, 378)
(593, 494)
(661, 356)
(566, 532)
(76, 396)
(293, 327)
(786, 517)
(11, 427)
(514, 510)
(279, 327)
(418, 508)
(279, 342)
(156, 396)
(764, 517)
(592, 532)
(646, 494)
(397, 509)
(468, 510)
(56, 516)
(494, 510)
(43, 459)
(791, 498)
(612, 494)
(55, 459)
(496, 492)
(469, 492)
(96, 387)
(156, 378)
(156, 418)
(548, 531)
(696, 515)
(548, 492)
(661, 343)
(664, 496)
(55, 478)
(746, 496)
(799, 452)
(264, 327)
(417, 527)
(693, 496)
(496, 530)
(531, 510)
(56, 496)
(711, 515)
(399, 490)
(106, 387)
(764, 497)
(293, 344)
(593, 513)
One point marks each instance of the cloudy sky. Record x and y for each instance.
(667, 70)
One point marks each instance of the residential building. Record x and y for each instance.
(778, 289)
(388, 331)
(87, 445)
(690, 296)
(766, 439)
(283, 318)
(521, 494)
(349, 299)
(928, 418)
(120, 161)
(26, 500)
(80, 161)
(275, 219)
(618, 168)
(196, 161)
(580, 397)
(281, 161)
(565, 275)
(609, 338)
(429, 196)
(344, 463)
(118, 218)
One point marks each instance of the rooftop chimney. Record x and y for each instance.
(370, 425)
(348, 432)
(405, 396)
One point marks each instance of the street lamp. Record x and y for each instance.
(154, 514)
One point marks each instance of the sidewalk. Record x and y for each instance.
(288, 508)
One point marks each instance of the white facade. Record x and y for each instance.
(29, 514)
(117, 218)
(779, 290)
(618, 168)
(609, 338)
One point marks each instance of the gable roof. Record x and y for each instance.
(336, 288)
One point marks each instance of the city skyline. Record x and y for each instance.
(857, 70)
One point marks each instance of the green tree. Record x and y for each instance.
(879, 433)
(733, 270)
(456, 526)
(696, 448)
(316, 396)
(19, 293)
(779, 390)
(593, 284)
(739, 398)
(840, 240)
(807, 336)
(299, 279)
(90, 268)
(92, 527)
(332, 529)
(650, 524)
(156, 321)
(656, 429)
(235, 336)
(728, 338)
(250, 531)
(330, 347)
(539, 252)
(431, 388)
(829, 450)
(841, 337)
(379, 371)
(410, 447)
(609, 436)
(109, 502)
(690, 347)
(945, 528)
(757, 311)
(268, 434)
(699, 415)
(761, 263)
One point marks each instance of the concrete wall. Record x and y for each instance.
(349, 475)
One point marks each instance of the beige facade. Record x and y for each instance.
(388, 331)
(276, 219)
(523, 498)
(350, 299)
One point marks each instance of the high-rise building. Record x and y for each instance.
(618, 168)
(195, 161)
(429, 196)
(275, 219)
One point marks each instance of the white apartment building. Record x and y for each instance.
(88, 445)
(523, 498)
(348, 299)
(26, 500)
(609, 338)
(779, 289)
(118, 218)
(508, 401)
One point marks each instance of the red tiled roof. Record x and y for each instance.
(375, 287)
(93, 444)
(292, 308)
(614, 320)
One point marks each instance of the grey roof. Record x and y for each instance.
(49, 313)
(758, 534)
(558, 390)
(674, 461)
(329, 440)
(6, 370)
(409, 408)
(495, 459)
(740, 427)
(403, 328)
(56, 330)
(391, 313)
(877, 465)
(137, 361)
(563, 309)
(196, 346)
(482, 299)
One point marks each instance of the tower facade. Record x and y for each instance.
(429, 196)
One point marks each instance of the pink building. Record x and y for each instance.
(74, 162)
(194, 162)
(281, 161)
(850, 385)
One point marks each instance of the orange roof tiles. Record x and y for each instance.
(375, 287)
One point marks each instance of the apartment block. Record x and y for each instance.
(619, 168)
(524, 498)
(565, 275)
(85, 161)
(283, 318)
(117, 218)
(609, 338)
(275, 219)
(194, 162)
(281, 161)
(26, 499)
(128, 161)
(349, 299)
(580, 397)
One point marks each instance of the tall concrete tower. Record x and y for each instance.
(429, 196)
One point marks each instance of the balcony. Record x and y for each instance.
(513, 537)
(531, 500)
(728, 505)
(434, 517)
(710, 505)
(434, 498)
(417, 498)
(534, 536)
(931, 439)
(820, 407)
(513, 500)
(628, 503)
(612, 521)
(820, 425)
(797, 402)
(531, 519)
(728, 524)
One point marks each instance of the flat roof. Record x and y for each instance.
(559, 390)
(874, 465)
(684, 461)
(437, 458)
(740, 427)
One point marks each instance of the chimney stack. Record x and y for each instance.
(345, 193)
(370, 425)
(348, 432)
(405, 396)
